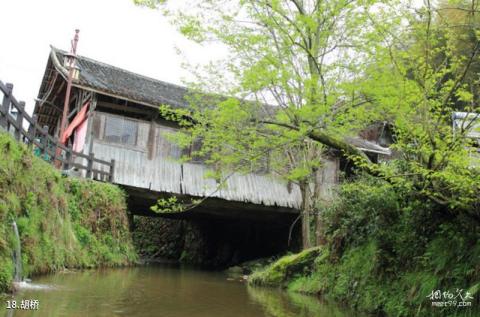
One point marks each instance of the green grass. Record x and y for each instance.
(354, 280)
(63, 222)
(384, 255)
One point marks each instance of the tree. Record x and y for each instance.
(330, 68)
(420, 77)
(294, 54)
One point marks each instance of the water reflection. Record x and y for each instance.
(162, 291)
(289, 304)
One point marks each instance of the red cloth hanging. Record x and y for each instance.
(78, 120)
(80, 135)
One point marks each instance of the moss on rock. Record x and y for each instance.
(286, 268)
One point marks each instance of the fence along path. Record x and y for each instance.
(38, 136)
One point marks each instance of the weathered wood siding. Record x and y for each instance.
(327, 178)
(152, 163)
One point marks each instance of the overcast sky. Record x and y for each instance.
(112, 31)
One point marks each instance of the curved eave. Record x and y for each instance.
(83, 84)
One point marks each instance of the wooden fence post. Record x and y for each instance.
(44, 146)
(90, 164)
(68, 157)
(19, 121)
(57, 155)
(6, 106)
(33, 130)
(112, 171)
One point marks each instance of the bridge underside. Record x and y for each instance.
(220, 233)
(140, 200)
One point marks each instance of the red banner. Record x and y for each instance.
(78, 120)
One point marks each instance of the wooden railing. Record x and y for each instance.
(49, 147)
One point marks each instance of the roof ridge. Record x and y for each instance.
(122, 69)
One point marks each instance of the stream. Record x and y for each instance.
(167, 291)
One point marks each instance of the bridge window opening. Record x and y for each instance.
(166, 147)
(120, 130)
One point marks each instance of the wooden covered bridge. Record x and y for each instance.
(115, 133)
(114, 115)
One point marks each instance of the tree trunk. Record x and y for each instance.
(305, 229)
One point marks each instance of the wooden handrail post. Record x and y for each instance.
(33, 130)
(19, 121)
(90, 164)
(57, 155)
(112, 171)
(68, 157)
(44, 146)
(6, 106)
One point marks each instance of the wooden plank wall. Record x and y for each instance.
(328, 178)
(151, 166)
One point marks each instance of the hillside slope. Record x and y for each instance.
(62, 222)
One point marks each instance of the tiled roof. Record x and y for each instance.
(119, 82)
